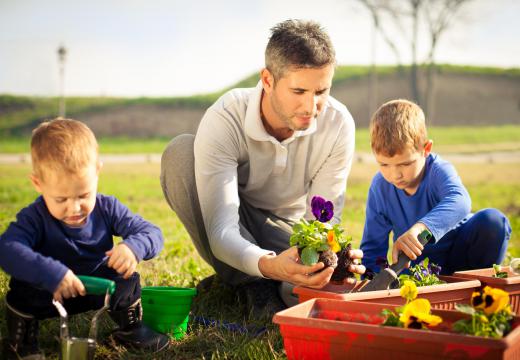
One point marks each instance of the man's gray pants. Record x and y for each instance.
(258, 226)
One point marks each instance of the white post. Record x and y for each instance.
(62, 52)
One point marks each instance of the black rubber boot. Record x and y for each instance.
(133, 333)
(22, 341)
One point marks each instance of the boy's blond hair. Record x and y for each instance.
(396, 126)
(62, 145)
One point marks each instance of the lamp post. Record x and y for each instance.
(62, 53)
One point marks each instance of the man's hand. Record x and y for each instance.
(69, 286)
(285, 267)
(356, 255)
(122, 260)
(408, 243)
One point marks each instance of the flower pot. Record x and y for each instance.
(511, 283)
(334, 329)
(441, 296)
(166, 309)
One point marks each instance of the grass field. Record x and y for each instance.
(491, 185)
(469, 139)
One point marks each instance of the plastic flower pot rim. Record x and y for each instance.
(170, 290)
(485, 275)
(349, 292)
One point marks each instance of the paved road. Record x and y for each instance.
(482, 158)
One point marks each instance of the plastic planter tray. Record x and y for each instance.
(511, 284)
(442, 296)
(334, 329)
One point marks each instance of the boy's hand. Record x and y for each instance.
(122, 260)
(70, 286)
(408, 243)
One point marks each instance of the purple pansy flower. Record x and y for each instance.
(322, 209)
(435, 269)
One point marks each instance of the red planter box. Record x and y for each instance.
(334, 329)
(442, 296)
(511, 284)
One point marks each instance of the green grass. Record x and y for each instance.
(468, 139)
(490, 185)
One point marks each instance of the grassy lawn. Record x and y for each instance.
(490, 185)
(469, 139)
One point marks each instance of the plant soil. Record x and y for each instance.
(341, 272)
(339, 261)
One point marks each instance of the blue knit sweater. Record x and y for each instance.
(39, 249)
(441, 203)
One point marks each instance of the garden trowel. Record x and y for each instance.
(388, 275)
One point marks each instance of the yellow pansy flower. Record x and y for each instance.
(408, 290)
(490, 300)
(416, 314)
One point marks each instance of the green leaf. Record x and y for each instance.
(309, 256)
(323, 247)
(465, 308)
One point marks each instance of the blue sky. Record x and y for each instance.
(172, 47)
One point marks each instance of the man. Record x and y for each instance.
(258, 158)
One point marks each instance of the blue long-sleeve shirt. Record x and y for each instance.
(441, 202)
(39, 249)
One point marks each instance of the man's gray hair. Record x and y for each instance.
(298, 44)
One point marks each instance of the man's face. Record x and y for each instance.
(404, 170)
(298, 97)
(70, 198)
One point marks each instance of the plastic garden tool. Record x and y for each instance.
(75, 348)
(388, 275)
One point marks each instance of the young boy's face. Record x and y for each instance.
(69, 198)
(406, 169)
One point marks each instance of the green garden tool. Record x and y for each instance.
(388, 275)
(75, 348)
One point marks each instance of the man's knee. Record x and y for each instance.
(178, 155)
(177, 167)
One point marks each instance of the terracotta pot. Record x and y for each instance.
(334, 329)
(442, 296)
(511, 283)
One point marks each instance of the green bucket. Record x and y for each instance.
(166, 309)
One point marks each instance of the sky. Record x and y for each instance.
(183, 47)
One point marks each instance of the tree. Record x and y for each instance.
(406, 16)
(439, 16)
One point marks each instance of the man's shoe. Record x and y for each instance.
(262, 298)
(133, 333)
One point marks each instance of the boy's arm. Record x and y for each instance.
(142, 237)
(331, 180)
(377, 228)
(18, 258)
(454, 202)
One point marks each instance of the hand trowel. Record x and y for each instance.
(388, 275)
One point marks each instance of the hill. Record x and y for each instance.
(464, 96)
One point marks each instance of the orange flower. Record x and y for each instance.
(334, 245)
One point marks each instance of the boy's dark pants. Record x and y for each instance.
(38, 302)
(478, 243)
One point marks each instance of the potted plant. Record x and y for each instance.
(332, 329)
(508, 280)
(317, 240)
(443, 292)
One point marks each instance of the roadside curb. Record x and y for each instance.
(359, 157)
